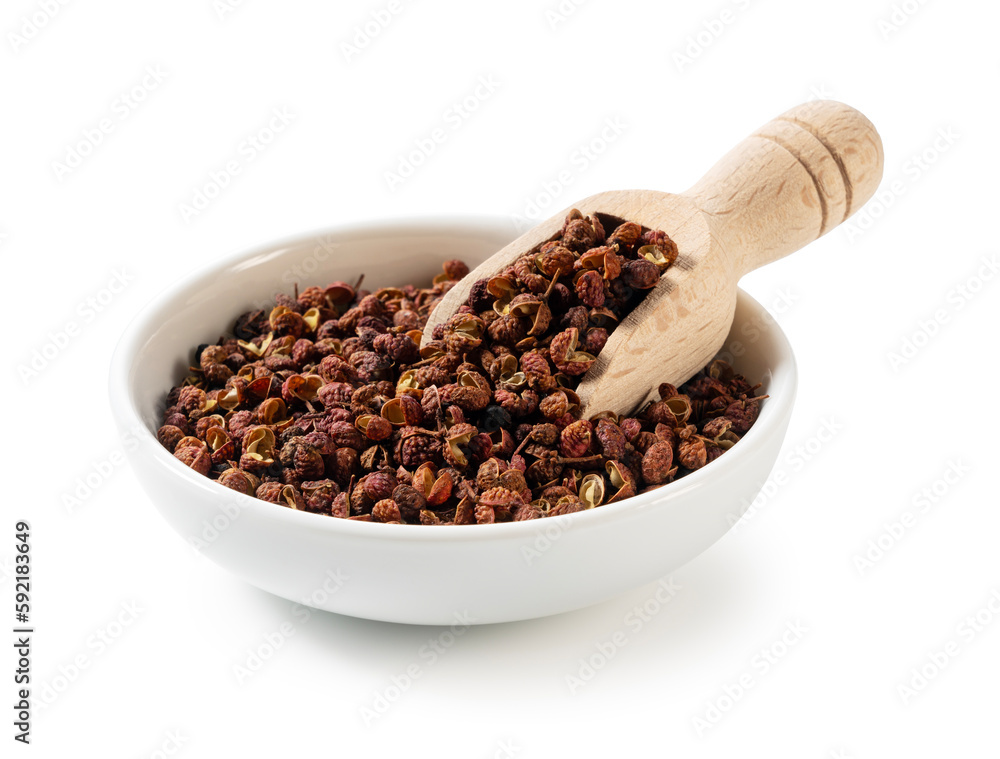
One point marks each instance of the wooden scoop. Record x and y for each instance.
(791, 181)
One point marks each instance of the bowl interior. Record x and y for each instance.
(160, 345)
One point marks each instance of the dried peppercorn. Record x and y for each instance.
(326, 403)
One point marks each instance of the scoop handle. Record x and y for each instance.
(791, 181)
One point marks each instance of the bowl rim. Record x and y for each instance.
(139, 331)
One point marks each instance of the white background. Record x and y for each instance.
(926, 75)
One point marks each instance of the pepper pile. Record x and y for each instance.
(326, 403)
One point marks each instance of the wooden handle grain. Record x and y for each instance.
(791, 181)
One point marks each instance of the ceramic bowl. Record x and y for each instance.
(414, 573)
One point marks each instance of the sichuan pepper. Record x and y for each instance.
(326, 402)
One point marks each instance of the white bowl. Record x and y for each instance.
(415, 573)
